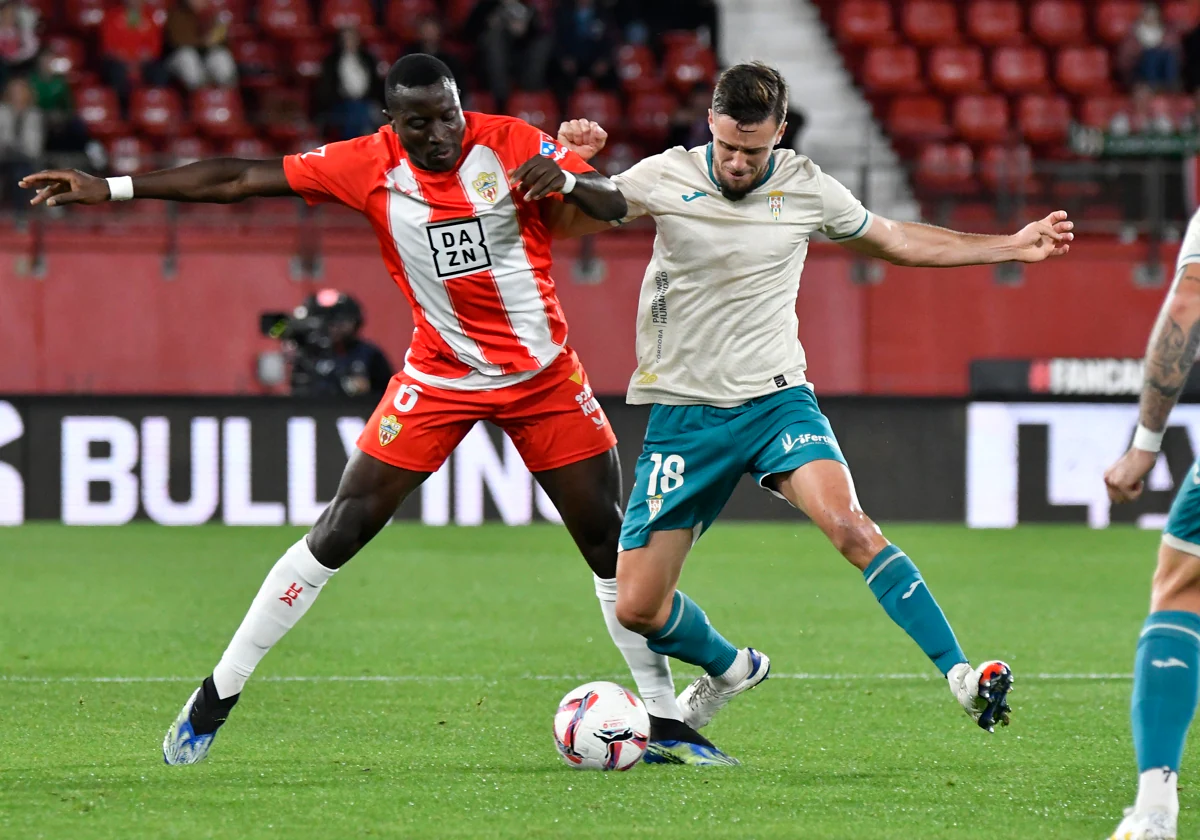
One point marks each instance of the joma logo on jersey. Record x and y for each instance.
(488, 186)
(458, 248)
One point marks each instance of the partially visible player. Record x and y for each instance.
(457, 202)
(1166, 671)
(721, 366)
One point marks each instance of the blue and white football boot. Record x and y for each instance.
(701, 700)
(191, 734)
(674, 742)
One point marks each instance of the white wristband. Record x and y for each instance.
(570, 185)
(120, 189)
(1147, 440)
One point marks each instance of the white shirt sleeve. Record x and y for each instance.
(1189, 253)
(637, 183)
(844, 216)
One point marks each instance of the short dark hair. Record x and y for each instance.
(417, 70)
(750, 93)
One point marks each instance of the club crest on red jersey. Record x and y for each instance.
(488, 186)
(389, 427)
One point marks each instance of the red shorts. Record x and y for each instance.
(553, 419)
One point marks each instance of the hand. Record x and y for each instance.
(538, 177)
(1051, 237)
(66, 186)
(1125, 478)
(583, 137)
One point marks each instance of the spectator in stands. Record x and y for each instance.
(1147, 114)
(18, 38)
(429, 41)
(689, 122)
(22, 138)
(586, 36)
(66, 133)
(514, 46)
(131, 45)
(350, 91)
(1151, 52)
(652, 19)
(196, 40)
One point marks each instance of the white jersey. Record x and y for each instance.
(1189, 252)
(716, 321)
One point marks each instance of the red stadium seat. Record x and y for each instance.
(865, 22)
(1019, 69)
(402, 17)
(156, 111)
(688, 65)
(348, 14)
(307, 59)
(677, 38)
(187, 149)
(598, 106)
(481, 101)
(455, 12)
(1044, 120)
(68, 56)
(1115, 18)
(258, 63)
(957, 69)
(637, 69)
(946, 168)
(129, 156)
(929, 23)
(1181, 15)
(97, 106)
(650, 117)
(892, 70)
(995, 22)
(218, 113)
(1007, 169)
(917, 118)
(1059, 23)
(284, 115)
(286, 19)
(85, 15)
(1098, 111)
(538, 109)
(982, 118)
(1084, 70)
(250, 148)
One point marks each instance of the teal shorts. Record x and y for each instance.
(1183, 522)
(694, 456)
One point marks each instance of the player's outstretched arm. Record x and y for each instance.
(913, 244)
(1169, 358)
(591, 192)
(216, 181)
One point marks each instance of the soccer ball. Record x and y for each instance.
(601, 726)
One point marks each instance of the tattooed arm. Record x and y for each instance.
(1169, 358)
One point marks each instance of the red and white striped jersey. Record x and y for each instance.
(472, 258)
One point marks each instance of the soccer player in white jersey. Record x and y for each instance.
(720, 363)
(1166, 673)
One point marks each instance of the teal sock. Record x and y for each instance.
(904, 596)
(1166, 680)
(689, 637)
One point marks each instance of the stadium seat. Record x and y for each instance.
(1115, 18)
(995, 23)
(1019, 69)
(249, 148)
(1181, 15)
(455, 12)
(946, 168)
(68, 56)
(286, 19)
(598, 106)
(617, 157)
(864, 23)
(917, 118)
(402, 17)
(538, 109)
(481, 101)
(650, 117)
(157, 111)
(258, 63)
(343, 14)
(1007, 169)
(637, 69)
(284, 115)
(892, 70)
(129, 156)
(1059, 23)
(85, 15)
(218, 113)
(307, 58)
(929, 23)
(187, 149)
(688, 65)
(1044, 120)
(982, 118)
(97, 106)
(1084, 71)
(1098, 111)
(676, 38)
(956, 69)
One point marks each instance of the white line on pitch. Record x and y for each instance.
(439, 678)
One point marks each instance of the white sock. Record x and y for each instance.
(738, 671)
(1158, 790)
(651, 671)
(292, 585)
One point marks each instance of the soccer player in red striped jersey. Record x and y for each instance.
(459, 203)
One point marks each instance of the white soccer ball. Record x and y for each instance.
(601, 726)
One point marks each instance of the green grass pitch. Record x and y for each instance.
(478, 632)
